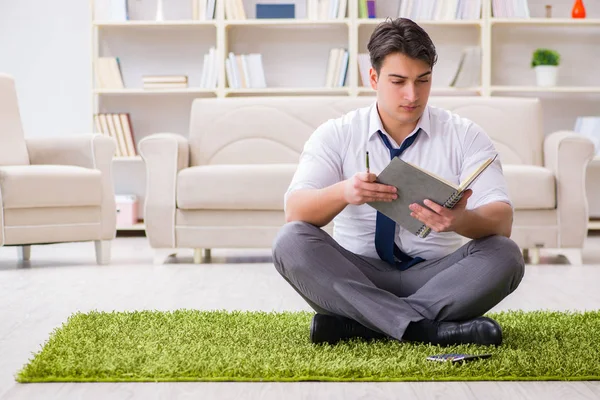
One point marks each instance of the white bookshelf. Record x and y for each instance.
(295, 54)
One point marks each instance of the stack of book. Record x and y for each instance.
(337, 68)
(245, 71)
(165, 81)
(118, 127)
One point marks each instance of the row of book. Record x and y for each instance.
(337, 68)
(440, 10)
(234, 9)
(366, 9)
(210, 70)
(510, 8)
(245, 71)
(118, 10)
(203, 10)
(118, 127)
(326, 9)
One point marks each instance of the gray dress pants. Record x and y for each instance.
(460, 286)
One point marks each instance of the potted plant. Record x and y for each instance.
(545, 63)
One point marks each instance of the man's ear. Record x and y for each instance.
(373, 78)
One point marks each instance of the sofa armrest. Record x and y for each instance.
(567, 154)
(89, 150)
(164, 154)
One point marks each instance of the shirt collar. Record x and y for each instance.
(375, 124)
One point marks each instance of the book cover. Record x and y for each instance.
(414, 186)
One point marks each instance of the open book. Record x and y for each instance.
(414, 185)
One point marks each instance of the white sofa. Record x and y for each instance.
(53, 189)
(223, 186)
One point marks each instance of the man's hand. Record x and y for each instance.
(440, 218)
(362, 188)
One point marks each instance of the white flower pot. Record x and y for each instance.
(546, 75)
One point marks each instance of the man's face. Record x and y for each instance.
(403, 87)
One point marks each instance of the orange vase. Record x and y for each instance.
(578, 9)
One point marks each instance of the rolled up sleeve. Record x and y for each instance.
(320, 161)
(490, 186)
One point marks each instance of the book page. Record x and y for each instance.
(464, 185)
(439, 178)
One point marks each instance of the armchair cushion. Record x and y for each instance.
(530, 187)
(234, 187)
(30, 186)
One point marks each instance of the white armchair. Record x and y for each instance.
(53, 190)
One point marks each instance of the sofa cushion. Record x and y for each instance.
(234, 187)
(530, 187)
(28, 186)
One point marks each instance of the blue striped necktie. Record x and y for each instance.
(385, 230)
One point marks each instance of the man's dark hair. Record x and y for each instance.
(400, 35)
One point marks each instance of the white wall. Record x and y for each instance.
(46, 46)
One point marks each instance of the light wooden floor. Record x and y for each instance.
(61, 279)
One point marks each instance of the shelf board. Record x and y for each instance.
(150, 23)
(286, 22)
(155, 91)
(434, 90)
(307, 90)
(545, 21)
(127, 159)
(456, 22)
(554, 89)
(140, 226)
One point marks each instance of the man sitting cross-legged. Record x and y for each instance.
(374, 279)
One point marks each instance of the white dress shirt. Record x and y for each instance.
(448, 145)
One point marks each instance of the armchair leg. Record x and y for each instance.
(24, 252)
(535, 256)
(198, 255)
(102, 251)
(532, 256)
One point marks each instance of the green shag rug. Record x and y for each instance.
(188, 345)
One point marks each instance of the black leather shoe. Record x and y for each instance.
(333, 329)
(481, 330)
